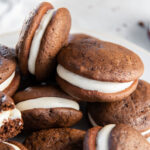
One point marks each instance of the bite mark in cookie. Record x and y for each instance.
(11, 122)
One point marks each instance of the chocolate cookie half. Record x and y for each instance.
(10, 118)
(45, 107)
(95, 71)
(114, 137)
(9, 77)
(56, 139)
(42, 36)
(11, 145)
(133, 110)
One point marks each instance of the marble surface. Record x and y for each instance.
(116, 17)
(12, 14)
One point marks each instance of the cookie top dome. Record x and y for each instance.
(100, 60)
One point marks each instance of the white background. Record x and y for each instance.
(119, 17)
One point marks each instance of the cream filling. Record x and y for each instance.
(102, 140)
(91, 120)
(145, 132)
(89, 84)
(9, 114)
(47, 102)
(12, 145)
(35, 45)
(93, 123)
(7, 82)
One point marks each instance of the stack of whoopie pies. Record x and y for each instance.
(102, 74)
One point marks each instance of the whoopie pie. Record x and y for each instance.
(133, 110)
(97, 71)
(114, 137)
(56, 139)
(9, 75)
(43, 34)
(47, 106)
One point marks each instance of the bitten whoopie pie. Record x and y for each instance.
(10, 118)
(45, 107)
(9, 77)
(114, 137)
(56, 139)
(41, 38)
(11, 145)
(133, 110)
(95, 71)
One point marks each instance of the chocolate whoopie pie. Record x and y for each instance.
(133, 110)
(10, 118)
(45, 107)
(41, 38)
(11, 145)
(114, 137)
(95, 71)
(9, 77)
(56, 139)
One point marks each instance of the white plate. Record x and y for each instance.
(10, 39)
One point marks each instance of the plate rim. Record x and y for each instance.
(88, 32)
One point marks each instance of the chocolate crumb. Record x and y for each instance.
(141, 24)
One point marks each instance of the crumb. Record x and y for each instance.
(141, 24)
(146, 26)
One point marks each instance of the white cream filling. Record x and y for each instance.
(7, 82)
(9, 114)
(91, 120)
(12, 145)
(47, 102)
(94, 124)
(89, 84)
(102, 140)
(35, 45)
(145, 132)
